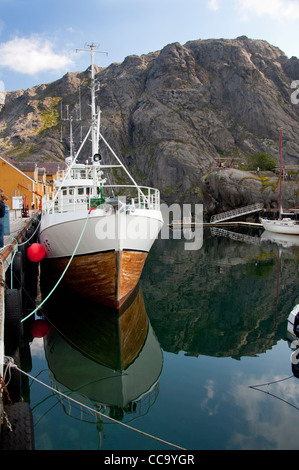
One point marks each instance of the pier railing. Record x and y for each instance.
(236, 212)
(241, 237)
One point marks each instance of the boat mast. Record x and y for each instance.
(95, 117)
(95, 125)
(94, 120)
(280, 172)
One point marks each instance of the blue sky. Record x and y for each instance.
(38, 38)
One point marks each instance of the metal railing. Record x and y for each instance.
(236, 212)
(70, 199)
(241, 237)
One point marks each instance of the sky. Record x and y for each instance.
(39, 38)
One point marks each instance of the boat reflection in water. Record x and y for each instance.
(108, 359)
(282, 239)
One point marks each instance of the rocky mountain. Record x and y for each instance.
(171, 114)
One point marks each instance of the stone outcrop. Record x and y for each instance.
(227, 189)
(171, 114)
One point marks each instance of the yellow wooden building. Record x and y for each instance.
(26, 182)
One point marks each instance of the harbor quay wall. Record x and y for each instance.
(13, 302)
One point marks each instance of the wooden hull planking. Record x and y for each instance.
(107, 277)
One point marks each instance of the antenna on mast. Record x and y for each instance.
(95, 116)
(69, 117)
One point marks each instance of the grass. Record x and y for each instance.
(50, 117)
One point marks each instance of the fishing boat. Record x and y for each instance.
(96, 234)
(282, 224)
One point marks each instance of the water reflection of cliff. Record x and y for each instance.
(222, 300)
(109, 358)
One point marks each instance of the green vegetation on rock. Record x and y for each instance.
(262, 160)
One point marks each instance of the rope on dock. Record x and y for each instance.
(62, 275)
(11, 363)
(18, 243)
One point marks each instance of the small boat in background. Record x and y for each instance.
(283, 224)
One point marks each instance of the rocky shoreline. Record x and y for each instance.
(227, 188)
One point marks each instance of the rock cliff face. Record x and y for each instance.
(228, 188)
(170, 114)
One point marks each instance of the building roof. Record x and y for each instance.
(52, 167)
(49, 167)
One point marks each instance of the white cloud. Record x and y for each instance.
(257, 409)
(37, 347)
(213, 5)
(277, 9)
(32, 55)
(2, 86)
(207, 403)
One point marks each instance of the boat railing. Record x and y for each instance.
(74, 199)
(142, 197)
(84, 173)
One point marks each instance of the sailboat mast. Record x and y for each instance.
(280, 172)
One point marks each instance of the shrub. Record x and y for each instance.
(262, 160)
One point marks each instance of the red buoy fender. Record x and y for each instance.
(36, 252)
(39, 328)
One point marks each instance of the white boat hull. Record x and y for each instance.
(109, 259)
(286, 226)
(293, 323)
(60, 233)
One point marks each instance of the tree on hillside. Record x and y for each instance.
(262, 160)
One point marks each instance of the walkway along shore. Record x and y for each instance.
(14, 410)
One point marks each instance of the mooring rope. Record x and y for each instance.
(89, 408)
(271, 383)
(256, 387)
(62, 275)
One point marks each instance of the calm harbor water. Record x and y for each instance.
(216, 325)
